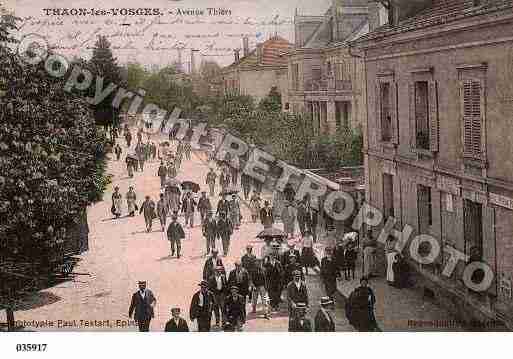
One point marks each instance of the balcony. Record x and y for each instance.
(316, 85)
(343, 85)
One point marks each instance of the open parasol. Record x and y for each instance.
(190, 186)
(272, 233)
(173, 183)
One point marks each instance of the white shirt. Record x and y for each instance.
(200, 302)
(219, 281)
(326, 314)
(142, 293)
(298, 285)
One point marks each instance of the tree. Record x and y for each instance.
(271, 103)
(52, 166)
(136, 76)
(104, 64)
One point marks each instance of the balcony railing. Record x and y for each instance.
(343, 85)
(316, 85)
(328, 84)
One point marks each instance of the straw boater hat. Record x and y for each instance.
(141, 282)
(234, 287)
(326, 301)
(301, 306)
(175, 310)
(203, 283)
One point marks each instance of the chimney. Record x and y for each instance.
(236, 52)
(245, 46)
(260, 53)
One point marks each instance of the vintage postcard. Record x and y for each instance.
(256, 166)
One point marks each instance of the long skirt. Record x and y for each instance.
(308, 258)
(131, 205)
(390, 266)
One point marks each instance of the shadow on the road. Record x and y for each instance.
(114, 218)
(201, 256)
(166, 258)
(37, 300)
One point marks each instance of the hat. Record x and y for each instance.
(203, 283)
(296, 272)
(234, 287)
(364, 278)
(249, 246)
(328, 249)
(300, 305)
(214, 250)
(237, 263)
(141, 282)
(176, 309)
(291, 244)
(203, 191)
(326, 301)
(220, 268)
(292, 255)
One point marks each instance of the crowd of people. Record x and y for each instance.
(276, 278)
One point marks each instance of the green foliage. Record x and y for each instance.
(271, 103)
(136, 76)
(52, 161)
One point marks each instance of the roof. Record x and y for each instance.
(272, 49)
(442, 12)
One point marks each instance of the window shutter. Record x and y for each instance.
(379, 122)
(476, 119)
(433, 117)
(413, 129)
(393, 112)
(472, 92)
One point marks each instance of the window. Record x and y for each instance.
(472, 119)
(473, 229)
(385, 111)
(424, 208)
(316, 74)
(388, 195)
(422, 115)
(295, 76)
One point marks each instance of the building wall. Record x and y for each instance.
(446, 60)
(258, 83)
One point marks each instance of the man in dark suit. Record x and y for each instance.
(329, 273)
(210, 231)
(201, 307)
(142, 304)
(285, 258)
(266, 215)
(235, 309)
(290, 268)
(175, 234)
(211, 264)
(324, 318)
(239, 277)
(296, 292)
(176, 323)
(274, 278)
(218, 285)
(298, 322)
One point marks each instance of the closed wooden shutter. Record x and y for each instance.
(472, 118)
(393, 113)
(433, 117)
(413, 124)
(379, 122)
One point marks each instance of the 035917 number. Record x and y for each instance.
(31, 347)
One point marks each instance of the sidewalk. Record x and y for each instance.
(402, 309)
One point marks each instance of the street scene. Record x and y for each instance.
(341, 168)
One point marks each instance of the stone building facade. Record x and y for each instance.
(256, 72)
(438, 139)
(325, 79)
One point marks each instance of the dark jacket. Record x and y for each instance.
(181, 327)
(208, 268)
(204, 205)
(274, 275)
(266, 216)
(223, 206)
(210, 228)
(142, 307)
(162, 171)
(234, 309)
(243, 284)
(329, 270)
(212, 285)
(175, 232)
(224, 228)
(285, 257)
(204, 312)
(188, 205)
(295, 325)
(360, 309)
(289, 273)
(258, 278)
(295, 295)
(322, 324)
(248, 262)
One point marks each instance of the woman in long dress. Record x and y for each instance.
(308, 258)
(131, 197)
(117, 201)
(254, 205)
(235, 212)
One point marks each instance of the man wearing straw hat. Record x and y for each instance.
(201, 307)
(176, 323)
(142, 307)
(324, 321)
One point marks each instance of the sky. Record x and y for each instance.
(158, 40)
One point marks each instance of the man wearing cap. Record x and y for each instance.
(235, 215)
(142, 307)
(258, 287)
(223, 206)
(162, 173)
(204, 206)
(323, 321)
(224, 231)
(235, 309)
(285, 258)
(211, 181)
(298, 321)
(248, 261)
(201, 307)
(291, 268)
(162, 211)
(329, 273)
(218, 286)
(175, 234)
(148, 207)
(211, 264)
(266, 215)
(176, 323)
(209, 230)
(239, 277)
(274, 277)
(296, 292)
(188, 208)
